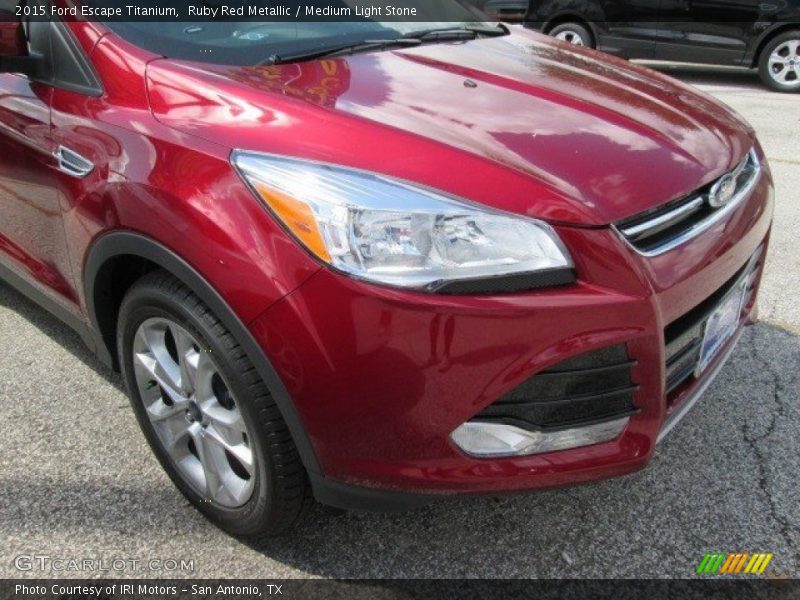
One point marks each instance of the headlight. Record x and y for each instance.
(391, 232)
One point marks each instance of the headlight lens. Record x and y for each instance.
(388, 231)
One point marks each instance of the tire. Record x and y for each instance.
(779, 63)
(235, 461)
(573, 33)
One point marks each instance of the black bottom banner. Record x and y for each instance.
(250, 589)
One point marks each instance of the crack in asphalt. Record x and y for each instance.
(787, 161)
(753, 440)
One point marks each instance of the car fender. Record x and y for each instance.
(126, 243)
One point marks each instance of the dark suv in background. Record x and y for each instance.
(502, 10)
(746, 33)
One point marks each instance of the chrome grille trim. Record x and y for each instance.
(664, 220)
(636, 229)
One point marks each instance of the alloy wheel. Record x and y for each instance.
(573, 37)
(784, 63)
(194, 413)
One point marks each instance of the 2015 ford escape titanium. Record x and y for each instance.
(374, 263)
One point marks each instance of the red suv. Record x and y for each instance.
(377, 263)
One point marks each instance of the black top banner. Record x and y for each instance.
(443, 11)
(246, 10)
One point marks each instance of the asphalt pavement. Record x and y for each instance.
(78, 482)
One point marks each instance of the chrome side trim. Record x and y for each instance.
(705, 224)
(72, 163)
(687, 404)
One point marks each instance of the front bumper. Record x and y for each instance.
(381, 377)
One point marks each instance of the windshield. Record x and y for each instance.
(251, 42)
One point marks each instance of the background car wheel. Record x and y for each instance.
(779, 62)
(206, 413)
(574, 34)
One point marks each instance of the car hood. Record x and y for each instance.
(523, 122)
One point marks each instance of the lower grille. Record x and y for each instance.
(587, 388)
(684, 337)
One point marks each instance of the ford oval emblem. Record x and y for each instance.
(722, 192)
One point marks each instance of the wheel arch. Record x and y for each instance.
(117, 259)
(767, 36)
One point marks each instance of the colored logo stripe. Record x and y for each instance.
(711, 563)
(758, 563)
(734, 563)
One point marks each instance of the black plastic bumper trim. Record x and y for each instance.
(351, 497)
(589, 371)
(505, 284)
(630, 389)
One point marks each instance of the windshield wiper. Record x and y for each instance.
(415, 38)
(463, 32)
(363, 46)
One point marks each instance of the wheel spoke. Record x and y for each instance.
(229, 419)
(187, 357)
(151, 339)
(205, 454)
(204, 373)
(156, 371)
(241, 452)
(173, 431)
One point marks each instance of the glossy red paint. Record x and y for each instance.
(381, 387)
(550, 132)
(166, 185)
(380, 377)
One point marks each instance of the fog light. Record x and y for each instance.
(497, 439)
